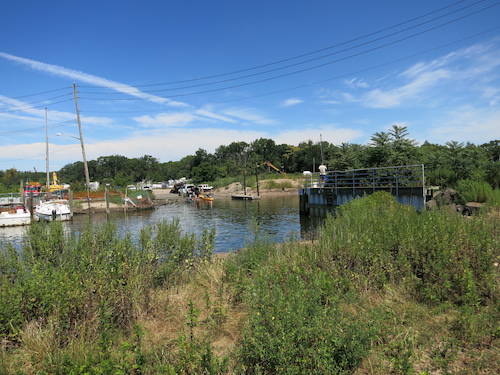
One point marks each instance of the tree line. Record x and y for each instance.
(445, 165)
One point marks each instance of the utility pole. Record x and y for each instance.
(321, 149)
(85, 166)
(47, 152)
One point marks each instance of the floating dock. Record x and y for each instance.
(243, 197)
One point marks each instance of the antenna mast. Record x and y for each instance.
(47, 151)
(321, 149)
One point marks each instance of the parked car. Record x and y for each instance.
(186, 189)
(205, 187)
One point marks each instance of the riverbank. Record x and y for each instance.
(161, 197)
(399, 292)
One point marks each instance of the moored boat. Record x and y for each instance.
(206, 198)
(14, 214)
(58, 210)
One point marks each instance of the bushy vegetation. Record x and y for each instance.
(478, 191)
(381, 289)
(445, 165)
(63, 291)
(331, 306)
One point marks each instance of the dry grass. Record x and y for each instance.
(219, 320)
(422, 334)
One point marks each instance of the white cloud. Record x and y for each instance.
(329, 133)
(291, 102)
(412, 91)
(9, 104)
(467, 124)
(88, 78)
(249, 115)
(356, 83)
(165, 120)
(461, 71)
(212, 115)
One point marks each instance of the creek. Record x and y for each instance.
(234, 221)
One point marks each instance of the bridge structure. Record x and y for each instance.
(323, 193)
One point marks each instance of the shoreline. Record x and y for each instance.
(163, 197)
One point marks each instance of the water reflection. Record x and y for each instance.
(234, 221)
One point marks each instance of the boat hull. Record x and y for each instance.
(20, 217)
(53, 211)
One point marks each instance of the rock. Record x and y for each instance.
(471, 208)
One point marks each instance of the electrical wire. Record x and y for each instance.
(30, 103)
(304, 69)
(38, 93)
(323, 80)
(39, 155)
(300, 56)
(38, 128)
(35, 107)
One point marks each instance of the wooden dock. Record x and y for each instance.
(243, 197)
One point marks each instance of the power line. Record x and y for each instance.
(308, 68)
(35, 107)
(359, 71)
(30, 103)
(39, 155)
(35, 129)
(323, 80)
(302, 55)
(38, 93)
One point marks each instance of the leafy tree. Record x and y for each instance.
(205, 172)
(348, 156)
(380, 151)
(11, 177)
(403, 148)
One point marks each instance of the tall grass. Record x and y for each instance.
(89, 287)
(329, 306)
(475, 191)
(381, 289)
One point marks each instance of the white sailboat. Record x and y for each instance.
(52, 209)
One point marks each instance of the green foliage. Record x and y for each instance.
(67, 279)
(443, 257)
(297, 325)
(271, 184)
(477, 191)
(305, 309)
(380, 283)
(445, 165)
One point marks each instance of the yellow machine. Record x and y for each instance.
(55, 186)
(272, 166)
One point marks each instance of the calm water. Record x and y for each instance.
(234, 221)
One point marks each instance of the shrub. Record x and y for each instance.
(474, 191)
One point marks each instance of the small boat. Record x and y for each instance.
(51, 210)
(206, 198)
(13, 214)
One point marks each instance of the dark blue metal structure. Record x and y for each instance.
(323, 193)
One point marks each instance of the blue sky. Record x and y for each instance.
(165, 78)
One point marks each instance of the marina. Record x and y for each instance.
(236, 223)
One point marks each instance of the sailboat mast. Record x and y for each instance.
(47, 150)
(321, 148)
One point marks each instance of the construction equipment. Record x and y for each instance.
(272, 166)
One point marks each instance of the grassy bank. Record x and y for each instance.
(381, 289)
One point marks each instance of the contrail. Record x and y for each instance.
(84, 77)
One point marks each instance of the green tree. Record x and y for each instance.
(380, 151)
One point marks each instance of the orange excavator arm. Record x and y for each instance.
(272, 166)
